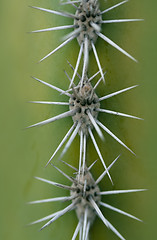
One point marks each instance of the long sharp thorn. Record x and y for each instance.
(99, 213)
(105, 172)
(70, 2)
(62, 142)
(50, 103)
(51, 86)
(60, 116)
(69, 165)
(74, 33)
(51, 200)
(53, 29)
(113, 229)
(87, 230)
(55, 12)
(98, 62)
(95, 125)
(64, 174)
(121, 20)
(80, 233)
(121, 191)
(106, 39)
(76, 231)
(117, 5)
(84, 154)
(54, 183)
(92, 165)
(81, 151)
(86, 60)
(116, 93)
(70, 139)
(91, 78)
(61, 213)
(60, 46)
(67, 76)
(119, 211)
(98, 81)
(99, 154)
(85, 223)
(118, 113)
(73, 69)
(77, 65)
(44, 218)
(114, 136)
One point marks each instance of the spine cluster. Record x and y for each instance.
(85, 196)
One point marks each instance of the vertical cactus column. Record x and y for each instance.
(84, 108)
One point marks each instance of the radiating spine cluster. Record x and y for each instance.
(86, 201)
(84, 108)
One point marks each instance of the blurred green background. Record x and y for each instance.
(24, 153)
